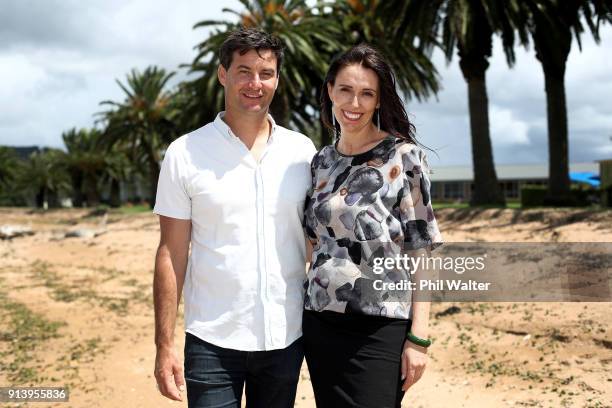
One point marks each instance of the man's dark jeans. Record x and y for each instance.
(215, 376)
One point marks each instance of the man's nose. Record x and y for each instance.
(255, 81)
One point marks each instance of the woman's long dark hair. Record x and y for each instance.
(393, 117)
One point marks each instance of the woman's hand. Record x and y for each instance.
(414, 360)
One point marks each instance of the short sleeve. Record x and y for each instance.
(172, 199)
(306, 222)
(419, 225)
(310, 151)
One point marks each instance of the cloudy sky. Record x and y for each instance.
(60, 58)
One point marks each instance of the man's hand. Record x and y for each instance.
(169, 373)
(414, 360)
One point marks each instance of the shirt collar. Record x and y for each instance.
(225, 130)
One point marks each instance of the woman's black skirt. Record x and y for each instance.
(354, 360)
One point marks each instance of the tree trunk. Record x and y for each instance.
(279, 108)
(40, 198)
(154, 169)
(556, 113)
(486, 187)
(93, 196)
(552, 45)
(115, 193)
(77, 189)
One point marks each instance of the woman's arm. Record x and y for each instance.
(414, 357)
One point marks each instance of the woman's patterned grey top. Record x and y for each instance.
(372, 205)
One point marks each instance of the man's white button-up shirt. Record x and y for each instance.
(244, 282)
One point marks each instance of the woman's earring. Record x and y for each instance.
(378, 119)
(334, 122)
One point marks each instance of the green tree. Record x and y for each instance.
(309, 41)
(362, 21)
(45, 177)
(118, 169)
(550, 24)
(10, 168)
(467, 27)
(144, 123)
(9, 163)
(86, 163)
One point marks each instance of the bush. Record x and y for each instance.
(98, 211)
(533, 195)
(537, 196)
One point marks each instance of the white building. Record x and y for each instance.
(455, 183)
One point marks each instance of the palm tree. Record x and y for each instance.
(86, 164)
(309, 41)
(10, 168)
(118, 169)
(144, 123)
(363, 21)
(45, 176)
(8, 165)
(466, 26)
(550, 24)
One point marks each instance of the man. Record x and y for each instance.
(235, 190)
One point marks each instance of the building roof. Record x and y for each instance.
(23, 152)
(507, 171)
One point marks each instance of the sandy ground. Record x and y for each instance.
(78, 312)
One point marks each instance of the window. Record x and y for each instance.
(453, 190)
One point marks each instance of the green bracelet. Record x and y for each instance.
(418, 341)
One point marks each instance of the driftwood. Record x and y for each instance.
(88, 232)
(15, 231)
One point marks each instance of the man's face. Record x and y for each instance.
(249, 82)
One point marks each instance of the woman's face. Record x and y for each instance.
(355, 95)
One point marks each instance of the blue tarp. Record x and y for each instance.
(585, 177)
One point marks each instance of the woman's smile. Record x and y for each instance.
(352, 116)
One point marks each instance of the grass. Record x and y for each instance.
(26, 332)
(440, 205)
(514, 205)
(62, 292)
(85, 351)
(133, 209)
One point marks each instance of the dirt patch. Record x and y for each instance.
(77, 312)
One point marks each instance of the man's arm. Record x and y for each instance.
(170, 268)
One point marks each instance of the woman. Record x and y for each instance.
(365, 345)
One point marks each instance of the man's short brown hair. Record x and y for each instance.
(247, 39)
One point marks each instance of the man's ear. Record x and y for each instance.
(222, 74)
(277, 82)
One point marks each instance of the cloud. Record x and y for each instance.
(505, 128)
(517, 107)
(60, 58)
